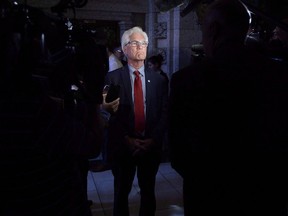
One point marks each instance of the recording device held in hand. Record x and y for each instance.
(113, 92)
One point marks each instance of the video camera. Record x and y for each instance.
(38, 46)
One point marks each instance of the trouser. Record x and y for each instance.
(124, 170)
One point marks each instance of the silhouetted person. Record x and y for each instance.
(155, 63)
(91, 66)
(118, 52)
(225, 112)
(41, 140)
(114, 61)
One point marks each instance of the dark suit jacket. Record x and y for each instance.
(122, 122)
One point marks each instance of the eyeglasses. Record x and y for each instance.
(137, 43)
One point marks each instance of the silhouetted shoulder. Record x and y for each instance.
(192, 74)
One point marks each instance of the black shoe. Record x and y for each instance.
(99, 166)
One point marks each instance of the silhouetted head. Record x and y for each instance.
(118, 52)
(155, 62)
(225, 22)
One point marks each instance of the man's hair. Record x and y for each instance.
(126, 35)
(156, 59)
(232, 15)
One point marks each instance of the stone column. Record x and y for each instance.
(123, 26)
(175, 45)
(151, 19)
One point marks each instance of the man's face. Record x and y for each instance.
(136, 50)
(280, 34)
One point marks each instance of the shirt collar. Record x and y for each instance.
(132, 69)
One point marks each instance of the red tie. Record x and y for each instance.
(138, 104)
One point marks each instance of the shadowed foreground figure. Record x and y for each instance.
(41, 141)
(226, 113)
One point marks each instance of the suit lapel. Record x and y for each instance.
(127, 83)
(149, 89)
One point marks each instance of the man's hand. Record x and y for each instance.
(139, 146)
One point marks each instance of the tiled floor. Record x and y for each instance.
(168, 193)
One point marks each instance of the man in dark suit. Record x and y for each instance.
(224, 109)
(135, 148)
